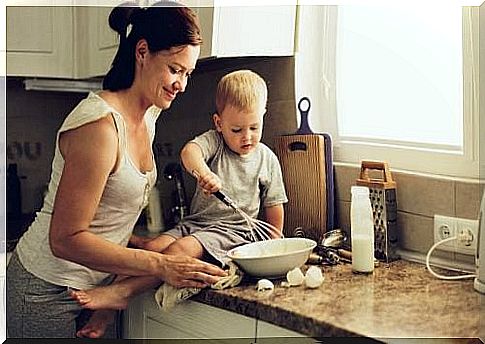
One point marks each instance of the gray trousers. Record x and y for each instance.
(39, 309)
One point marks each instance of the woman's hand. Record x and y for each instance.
(184, 271)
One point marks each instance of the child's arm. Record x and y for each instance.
(275, 215)
(157, 244)
(193, 161)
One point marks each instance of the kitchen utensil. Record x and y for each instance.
(260, 230)
(329, 250)
(306, 163)
(382, 194)
(330, 256)
(272, 258)
(335, 238)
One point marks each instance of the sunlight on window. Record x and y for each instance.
(399, 74)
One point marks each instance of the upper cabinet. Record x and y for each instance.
(232, 31)
(76, 42)
(61, 42)
(39, 41)
(96, 42)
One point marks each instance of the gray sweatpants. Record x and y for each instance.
(39, 309)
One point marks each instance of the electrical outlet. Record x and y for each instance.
(468, 229)
(444, 228)
(465, 230)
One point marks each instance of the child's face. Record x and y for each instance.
(241, 129)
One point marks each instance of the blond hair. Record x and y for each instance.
(243, 89)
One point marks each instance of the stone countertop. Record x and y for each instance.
(400, 299)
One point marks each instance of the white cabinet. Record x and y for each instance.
(60, 42)
(194, 320)
(143, 319)
(39, 41)
(268, 330)
(76, 41)
(232, 31)
(96, 42)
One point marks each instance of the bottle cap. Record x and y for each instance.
(360, 191)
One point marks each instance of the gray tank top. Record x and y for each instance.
(125, 195)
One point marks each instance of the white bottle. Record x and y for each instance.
(362, 230)
(154, 215)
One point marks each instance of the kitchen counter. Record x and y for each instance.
(400, 299)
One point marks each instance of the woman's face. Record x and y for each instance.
(163, 74)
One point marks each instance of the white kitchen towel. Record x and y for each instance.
(167, 295)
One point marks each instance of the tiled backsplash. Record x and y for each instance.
(418, 200)
(33, 118)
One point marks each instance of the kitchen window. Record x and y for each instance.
(397, 83)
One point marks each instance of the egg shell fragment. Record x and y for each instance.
(295, 277)
(264, 284)
(313, 277)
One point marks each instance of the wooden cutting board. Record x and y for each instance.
(307, 166)
(303, 163)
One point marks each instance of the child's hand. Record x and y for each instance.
(210, 182)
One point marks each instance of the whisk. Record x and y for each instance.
(260, 230)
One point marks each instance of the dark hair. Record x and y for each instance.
(164, 25)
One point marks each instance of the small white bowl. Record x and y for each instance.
(272, 258)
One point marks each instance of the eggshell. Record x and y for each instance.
(313, 277)
(264, 284)
(295, 277)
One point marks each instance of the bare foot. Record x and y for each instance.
(113, 296)
(97, 324)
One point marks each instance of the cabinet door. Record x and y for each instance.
(206, 20)
(96, 41)
(187, 320)
(268, 330)
(254, 30)
(39, 41)
(232, 31)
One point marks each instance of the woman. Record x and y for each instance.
(102, 173)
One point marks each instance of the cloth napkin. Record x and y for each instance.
(168, 296)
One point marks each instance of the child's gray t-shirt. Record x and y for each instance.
(250, 181)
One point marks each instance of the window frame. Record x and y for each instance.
(320, 54)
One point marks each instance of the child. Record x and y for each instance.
(231, 159)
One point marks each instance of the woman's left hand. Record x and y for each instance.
(184, 271)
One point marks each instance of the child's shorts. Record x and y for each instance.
(216, 238)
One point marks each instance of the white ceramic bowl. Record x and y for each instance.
(272, 258)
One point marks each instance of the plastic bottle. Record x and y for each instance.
(362, 230)
(155, 222)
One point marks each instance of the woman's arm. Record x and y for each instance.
(274, 215)
(90, 154)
